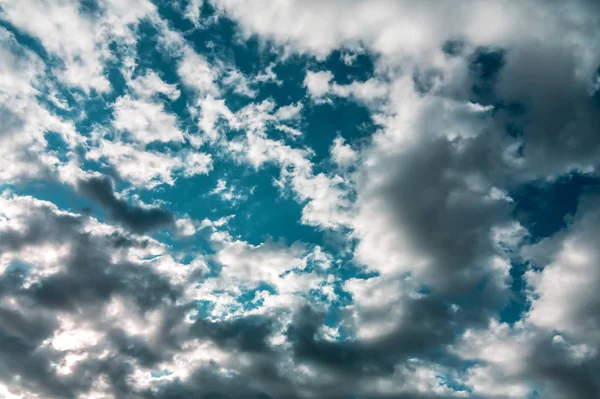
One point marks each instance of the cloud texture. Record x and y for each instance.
(299, 199)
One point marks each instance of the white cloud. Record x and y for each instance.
(150, 84)
(185, 227)
(147, 121)
(80, 40)
(143, 115)
(195, 72)
(282, 267)
(211, 110)
(327, 204)
(290, 131)
(321, 88)
(318, 83)
(226, 193)
(342, 153)
(142, 168)
(147, 168)
(324, 197)
(239, 83)
(377, 305)
(25, 121)
(250, 264)
(192, 11)
(564, 293)
(289, 112)
(196, 163)
(405, 30)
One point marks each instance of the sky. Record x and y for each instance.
(299, 199)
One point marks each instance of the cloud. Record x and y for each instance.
(317, 83)
(27, 120)
(320, 86)
(50, 302)
(79, 39)
(197, 73)
(137, 219)
(147, 121)
(150, 84)
(413, 37)
(369, 157)
(401, 29)
(342, 153)
(563, 295)
(561, 114)
(227, 193)
(424, 203)
(552, 349)
(147, 168)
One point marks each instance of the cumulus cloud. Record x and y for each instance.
(80, 40)
(197, 73)
(342, 153)
(320, 86)
(25, 120)
(564, 295)
(147, 121)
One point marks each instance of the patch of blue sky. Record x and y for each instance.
(158, 374)
(217, 38)
(203, 309)
(349, 66)
(250, 298)
(453, 383)
(342, 117)
(267, 213)
(56, 145)
(517, 301)
(544, 207)
(261, 213)
(18, 266)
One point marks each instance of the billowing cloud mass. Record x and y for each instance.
(299, 199)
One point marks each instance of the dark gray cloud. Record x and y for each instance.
(563, 377)
(247, 334)
(561, 117)
(41, 225)
(428, 193)
(137, 219)
(88, 279)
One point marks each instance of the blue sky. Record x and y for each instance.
(299, 199)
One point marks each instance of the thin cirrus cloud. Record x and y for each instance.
(299, 199)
